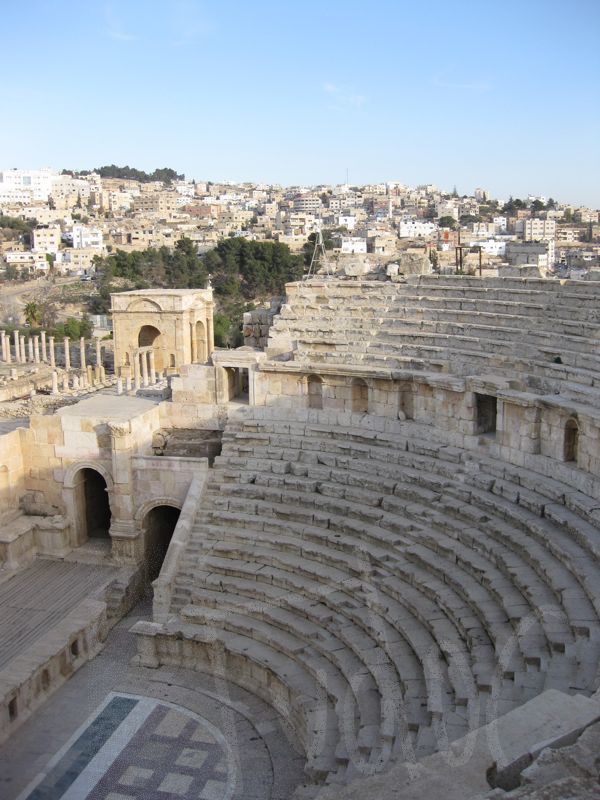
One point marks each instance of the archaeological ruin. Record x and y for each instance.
(377, 522)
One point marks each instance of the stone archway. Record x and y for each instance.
(149, 336)
(79, 501)
(158, 526)
(93, 507)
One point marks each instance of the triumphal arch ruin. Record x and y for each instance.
(162, 329)
(380, 518)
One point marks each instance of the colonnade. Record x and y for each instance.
(42, 349)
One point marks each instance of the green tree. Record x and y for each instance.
(447, 222)
(32, 313)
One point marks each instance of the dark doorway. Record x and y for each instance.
(571, 444)
(94, 505)
(237, 384)
(159, 525)
(486, 410)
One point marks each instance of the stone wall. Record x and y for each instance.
(12, 468)
(257, 324)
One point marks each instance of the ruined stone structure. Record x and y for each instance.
(398, 543)
(158, 330)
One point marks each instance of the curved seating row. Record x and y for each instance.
(404, 592)
(530, 329)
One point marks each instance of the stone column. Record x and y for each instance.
(30, 349)
(8, 355)
(17, 347)
(210, 333)
(67, 353)
(98, 352)
(128, 383)
(52, 352)
(44, 348)
(36, 349)
(194, 343)
(82, 353)
(126, 542)
(152, 367)
(54, 383)
(144, 359)
(23, 353)
(119, 385)
(75, 382)
(136, 370)
(3, 341)
(65, 382)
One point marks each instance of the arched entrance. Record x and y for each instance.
(159, 524)
(360, 396)
(149, 336)
(315, 391)
(93, 508)
(571, 443)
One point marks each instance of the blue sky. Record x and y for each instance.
(500, 95)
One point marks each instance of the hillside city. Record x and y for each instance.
(76, 217)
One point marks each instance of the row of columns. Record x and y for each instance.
(76, 380)
(143, 365)
(41, 350)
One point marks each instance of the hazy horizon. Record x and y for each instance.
(499, 97)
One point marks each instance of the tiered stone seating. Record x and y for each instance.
(512, 327)
(338, 317)
(530, 330)
(402, 590)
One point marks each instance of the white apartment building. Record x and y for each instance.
(353, 244)
(85, 238)
(416, 229)
(500, 224)
(493, 247)
(346, 221)
(33, 184)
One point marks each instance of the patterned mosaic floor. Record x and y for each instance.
(136, 748)
(115, 731)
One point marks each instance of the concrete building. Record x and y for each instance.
(308, 203)
(86, 238)
(416, 229)
(26, 185)
(539, 230)
(47, 239)
(353, 244)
